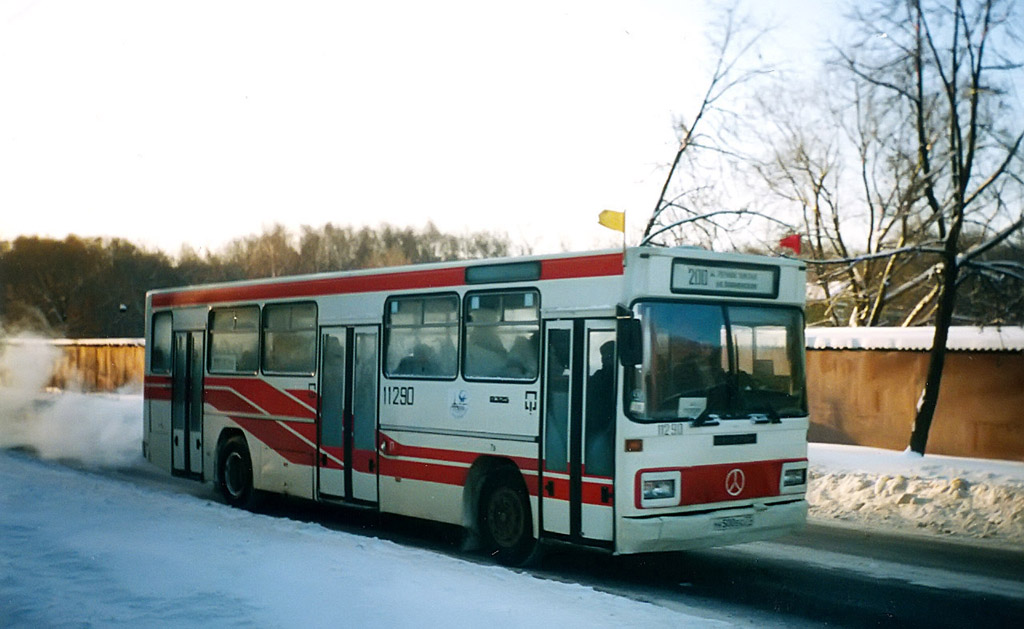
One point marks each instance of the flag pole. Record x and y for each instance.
(623, 236)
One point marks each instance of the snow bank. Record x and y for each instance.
(943, 495)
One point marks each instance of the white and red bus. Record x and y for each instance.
(643, 400)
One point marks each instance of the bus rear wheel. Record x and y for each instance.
(505, 522)
(235, 474)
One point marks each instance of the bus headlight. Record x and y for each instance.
(794, 477)
(659, 489)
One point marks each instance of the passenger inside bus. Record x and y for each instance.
(422, 361)
(486, 356)
(600, 422)
(522, 358)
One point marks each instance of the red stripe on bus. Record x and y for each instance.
(555, 487)
(706, 484)
(306, 429)
(441, 472)
(394, 448)
(591, 486)
(280, 439)
(364, 460)
(228, 401)
(584, 266)
(313, 287)
(597, 265)
(306, 396)
(596, 493)
(156, 392)
(272, 400)
(156, 388)
(337, 453)
(421, 471)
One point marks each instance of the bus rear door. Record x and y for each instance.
(347, 453)
(187, 405)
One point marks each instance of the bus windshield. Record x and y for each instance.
(707, 361)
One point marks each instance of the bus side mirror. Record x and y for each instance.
(630, 342)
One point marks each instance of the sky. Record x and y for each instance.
(168, 123)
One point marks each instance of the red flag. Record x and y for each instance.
(791, 242)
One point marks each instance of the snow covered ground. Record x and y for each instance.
(79, 549)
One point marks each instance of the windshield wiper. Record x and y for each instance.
(705, 419)
(770, 416)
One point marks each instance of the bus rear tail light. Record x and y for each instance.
(659, 489)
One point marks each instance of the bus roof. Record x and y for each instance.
(591, 264)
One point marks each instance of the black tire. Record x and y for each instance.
(506, 527)
(234, 474)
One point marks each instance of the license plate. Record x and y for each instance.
(734, 522)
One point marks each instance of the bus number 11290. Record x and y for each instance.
(399, 396)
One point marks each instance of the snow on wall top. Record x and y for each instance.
(961, 338)
(23, 340)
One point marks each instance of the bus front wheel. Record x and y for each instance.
(505, 522)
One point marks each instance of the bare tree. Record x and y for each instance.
(689, 208)
(939, 64)
(906, 182)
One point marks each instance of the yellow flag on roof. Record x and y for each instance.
(613, 220)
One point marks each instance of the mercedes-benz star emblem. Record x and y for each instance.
(734, 482)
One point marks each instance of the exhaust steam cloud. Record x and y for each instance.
(95, 430)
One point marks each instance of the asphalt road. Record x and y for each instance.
(824, 577)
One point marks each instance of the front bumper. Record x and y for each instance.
(715, 528)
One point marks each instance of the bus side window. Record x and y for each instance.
(502, 335)
(289, 338)
(235, 339)
(160, 354)
(421, 337)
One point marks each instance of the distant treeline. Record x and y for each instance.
(95, 287)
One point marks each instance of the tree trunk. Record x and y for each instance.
(937, 357)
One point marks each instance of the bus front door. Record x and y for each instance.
(347, 454)
(187, 405)
(579, 429)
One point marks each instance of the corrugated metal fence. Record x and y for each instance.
(92, 365)
(864, 384)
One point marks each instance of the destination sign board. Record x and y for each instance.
(702, 277)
